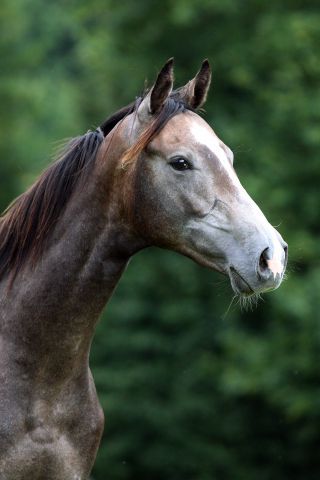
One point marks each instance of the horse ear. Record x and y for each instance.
(160, 91)
(194, 93)
(201, 85)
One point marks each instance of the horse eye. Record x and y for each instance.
(180, 164)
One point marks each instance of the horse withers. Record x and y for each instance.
(154, 173)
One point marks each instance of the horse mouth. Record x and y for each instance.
(239, 285)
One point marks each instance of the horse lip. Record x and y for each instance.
(238, 283)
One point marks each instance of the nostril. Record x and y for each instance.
(263, 261)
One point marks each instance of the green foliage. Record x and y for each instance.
(191, 390)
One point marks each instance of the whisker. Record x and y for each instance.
(277, 226)
(224, 316)
(249, 303)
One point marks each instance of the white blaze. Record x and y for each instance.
(205, 136)
(208, 138)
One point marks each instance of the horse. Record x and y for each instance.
(154, 173)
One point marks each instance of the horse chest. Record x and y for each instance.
(51, 438)
(39, 457)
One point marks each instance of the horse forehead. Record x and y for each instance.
(202, 133)
(173, 133)
(190, 129)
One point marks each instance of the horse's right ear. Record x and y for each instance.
(156, 97)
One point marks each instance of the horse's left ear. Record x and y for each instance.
(194, 93)
(162, 88)
(154, 100)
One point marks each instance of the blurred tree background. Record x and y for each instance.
(191, 390)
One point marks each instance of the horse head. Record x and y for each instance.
(185, 193)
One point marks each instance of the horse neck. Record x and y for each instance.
(52, 308)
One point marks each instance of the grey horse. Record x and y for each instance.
(154, 173)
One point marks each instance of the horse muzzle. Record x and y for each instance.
(267, 274)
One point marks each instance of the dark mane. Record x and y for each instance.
(116, 117)
(26, 224)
